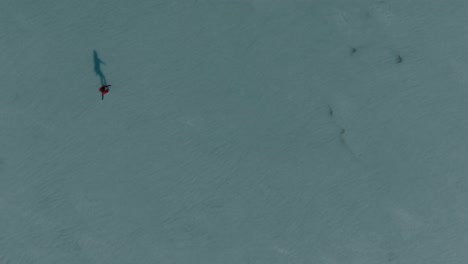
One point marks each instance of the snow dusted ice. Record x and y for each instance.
(247, 131)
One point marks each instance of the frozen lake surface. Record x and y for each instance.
(235, 131)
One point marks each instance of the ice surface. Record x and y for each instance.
(235, 131)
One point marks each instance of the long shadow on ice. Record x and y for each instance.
(97, 67)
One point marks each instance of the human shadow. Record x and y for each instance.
(97, 67)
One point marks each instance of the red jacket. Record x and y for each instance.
(104, 89)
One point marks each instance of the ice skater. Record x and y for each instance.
(104, 89)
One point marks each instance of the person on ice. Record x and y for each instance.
(104, 89)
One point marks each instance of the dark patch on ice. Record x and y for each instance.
(330, 111)
(346, 146)
(97, 67)
(343, 138)
(353, 51)
(399, 59)
(342, 135)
